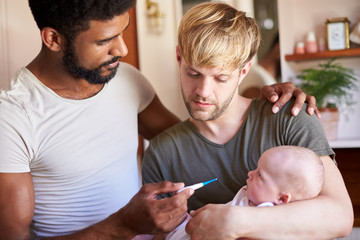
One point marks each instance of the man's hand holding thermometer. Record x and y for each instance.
(197, 186)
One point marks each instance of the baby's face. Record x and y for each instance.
(261, 184)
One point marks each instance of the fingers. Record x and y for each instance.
(300, 98)
(145, 214)
(317, 113)
(161, 188)
(176, 203)
(268, 92)
(286, 90)
(311, 101)
(166, 213)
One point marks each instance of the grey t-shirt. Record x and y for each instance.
(182, 154)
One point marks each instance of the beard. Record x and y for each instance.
(205, 115)
(71, 63)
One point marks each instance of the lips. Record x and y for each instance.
(202, 104)
(113, 64)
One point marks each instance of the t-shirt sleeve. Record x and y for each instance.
(306, 131)
(15, 135)
(145, 91)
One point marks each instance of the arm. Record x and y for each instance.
(328, 216)
(155, 118)
(286, 91)
(143, 214)
(16, 205)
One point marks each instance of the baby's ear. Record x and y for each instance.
(283, 198)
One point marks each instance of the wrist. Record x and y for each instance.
(239, 218)
(114, 227)
(121, 224)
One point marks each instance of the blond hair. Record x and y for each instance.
(211, 34)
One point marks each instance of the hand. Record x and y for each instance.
(286, 91)
(145, 214)
(213, 221)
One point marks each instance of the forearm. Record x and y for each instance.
(113, 227)
(314, 219)
(328, 216)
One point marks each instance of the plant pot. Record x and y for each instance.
(329, 121)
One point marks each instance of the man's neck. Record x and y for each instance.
(53, 75)
(223, 128)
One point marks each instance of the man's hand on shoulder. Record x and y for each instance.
(281, 93)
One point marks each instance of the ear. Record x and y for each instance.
(244, 71)
(283, 198)
(246, 68)
(178, 56)
(51, 38)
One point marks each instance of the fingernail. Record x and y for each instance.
(275, 109)
(311, 111)
(296, 111)
(179, 184)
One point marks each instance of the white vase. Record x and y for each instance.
(329, 121)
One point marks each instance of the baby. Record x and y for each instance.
(284, 174)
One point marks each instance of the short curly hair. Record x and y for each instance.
(69, 17)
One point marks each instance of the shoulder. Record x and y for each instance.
(128, 75)
(134, 85)
(263, 108)
(128, 71)
(15, 97)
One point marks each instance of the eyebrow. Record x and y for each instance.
(191, 69)
(111, 38)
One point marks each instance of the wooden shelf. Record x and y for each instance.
(345, 143)
(352, 52)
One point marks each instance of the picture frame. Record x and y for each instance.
(337, 31)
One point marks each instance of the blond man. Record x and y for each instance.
(226, 134)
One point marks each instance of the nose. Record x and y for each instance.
(203, 88)
(250, 174)
(118, 48)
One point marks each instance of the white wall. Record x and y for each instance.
(157, 56)
(19, 37)
(296, 19)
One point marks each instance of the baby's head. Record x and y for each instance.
(284, 174)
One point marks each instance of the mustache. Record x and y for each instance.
(202, 99)
(114, 59)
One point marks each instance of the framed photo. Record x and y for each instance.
(337, 33)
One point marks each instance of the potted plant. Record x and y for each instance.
(332, 86)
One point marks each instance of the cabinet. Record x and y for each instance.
(349, 165)
(346, 53)
(296, 19)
